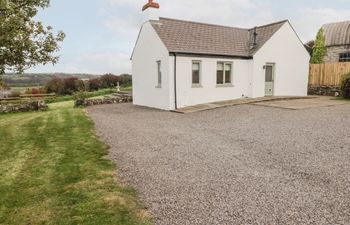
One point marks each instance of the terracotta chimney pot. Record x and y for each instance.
(150, 4)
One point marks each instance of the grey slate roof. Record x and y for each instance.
(208, 39)
(337, 33)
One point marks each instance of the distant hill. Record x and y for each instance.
(39, 79)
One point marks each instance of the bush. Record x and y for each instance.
(70, 85)
(109, 81)
(67, 86)
(35, 91)
(94, 84)
(80, 97)
(15, 94)
(345, 86)
(125, 80)
(55, 85)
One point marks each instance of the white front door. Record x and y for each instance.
(269, 79)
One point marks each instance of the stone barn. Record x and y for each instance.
(337, 42)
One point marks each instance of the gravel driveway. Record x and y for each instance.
(239, 165)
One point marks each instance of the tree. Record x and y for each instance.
(109, 81)
(55, 85)
(310, 46)
(25, 42)
(319, 49)
(94, 84)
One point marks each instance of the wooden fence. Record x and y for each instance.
(329, 74)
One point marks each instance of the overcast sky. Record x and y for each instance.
(101, 33)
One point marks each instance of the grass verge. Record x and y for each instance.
(101, 92)
(53, 171)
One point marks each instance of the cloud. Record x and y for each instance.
(124, 18)
(119, 22)
(309, 20)
(227, 12)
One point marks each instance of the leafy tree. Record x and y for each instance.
(55, 85)
(94, 84)
(70, 85)
(319, 49)
(109, 81)
(126, 80)
(310, 46)
(25, 42)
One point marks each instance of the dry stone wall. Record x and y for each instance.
(324, 90)
(105, 100)
(23, 107)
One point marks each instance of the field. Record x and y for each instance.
(53, 170)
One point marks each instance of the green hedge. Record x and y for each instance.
(345, 86)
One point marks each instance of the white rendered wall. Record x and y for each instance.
(148, 50)
(209, 91)
(291, 64)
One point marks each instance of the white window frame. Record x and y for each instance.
(224, 74)
(196, 85)
(159, 74)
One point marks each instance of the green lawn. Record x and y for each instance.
(53, 170)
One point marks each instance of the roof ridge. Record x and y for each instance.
(218, 25)
(333, 23)
(202, 23)
(271, 24)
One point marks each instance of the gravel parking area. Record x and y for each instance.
(238, 165)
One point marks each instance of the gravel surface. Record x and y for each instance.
(238, 165)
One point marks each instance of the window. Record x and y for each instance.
(196, 71)
(344, 57)
(268, 73)
(159, 70)
(224, 73)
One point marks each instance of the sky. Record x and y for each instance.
(101, 34)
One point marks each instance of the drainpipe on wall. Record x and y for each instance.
(175, 91)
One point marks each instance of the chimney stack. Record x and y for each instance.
(150, 10)
(255, 40)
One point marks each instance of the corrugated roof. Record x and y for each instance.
(337, 33)
(200, 38)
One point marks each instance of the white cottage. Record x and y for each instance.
(179, 63)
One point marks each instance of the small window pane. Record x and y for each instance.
(196, 72)
(195, 66)
(227, 67)
(220, 77)
(220, 66)
(227, 76)
(195, 77)
(220, 74)
(269, 74)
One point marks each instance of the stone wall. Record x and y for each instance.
(332, 55)
(105, 100)
(22, 107)
(324, 90)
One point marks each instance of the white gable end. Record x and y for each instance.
(286, 51)
(149, 50)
